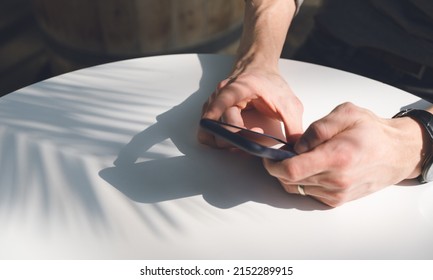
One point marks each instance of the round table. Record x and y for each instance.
(103, 163)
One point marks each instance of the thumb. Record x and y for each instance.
(293, 131)
(324, 129)
(292, 126)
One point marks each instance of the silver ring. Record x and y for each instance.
(301, 190)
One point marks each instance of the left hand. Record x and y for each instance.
(256, 89)
(351, 153)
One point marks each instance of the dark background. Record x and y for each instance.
(26, 54)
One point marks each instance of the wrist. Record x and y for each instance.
(416, 144)
(266, 23)
(254, 60)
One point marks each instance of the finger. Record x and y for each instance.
(293, 189)
(300, 168)
(317, 192)
(324, 129)
(292, 121)
(203, 136)
(324, 195)
(232, 116)
(231, 95)
(289, 111)
(227, 81)
(293, 128)
(325, 166)
(329, 166)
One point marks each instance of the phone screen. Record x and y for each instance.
(259, 144)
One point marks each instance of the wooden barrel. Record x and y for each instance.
(80, 33)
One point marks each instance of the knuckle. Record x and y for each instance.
(221, 84)
(343, 184)
(292, 173)
(343, 160)
(319, 130)
(347, 107)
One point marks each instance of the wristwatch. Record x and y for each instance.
(424, 118)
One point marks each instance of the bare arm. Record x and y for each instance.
(255, 82)
(266, 24)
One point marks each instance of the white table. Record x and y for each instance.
(61, 197)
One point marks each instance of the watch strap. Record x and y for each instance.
(424, 118)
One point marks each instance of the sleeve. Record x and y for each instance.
(298, 4)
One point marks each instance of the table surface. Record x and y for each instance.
(168, 197)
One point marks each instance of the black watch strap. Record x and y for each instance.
(424, 118)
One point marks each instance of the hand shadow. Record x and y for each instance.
(224, 179)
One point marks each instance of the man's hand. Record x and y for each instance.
(351, 153)
(265, 92)
(255, 82)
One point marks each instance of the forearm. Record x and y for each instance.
(416, 143)
(266, 23)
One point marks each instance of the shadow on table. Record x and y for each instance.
(224, 179)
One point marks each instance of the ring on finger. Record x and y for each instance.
(301, 190)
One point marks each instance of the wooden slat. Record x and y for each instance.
(154, 24)
(189, 22)
(74, 24)
(30, 70)
(22, 53)
(221, 15)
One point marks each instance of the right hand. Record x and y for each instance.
(351, 153)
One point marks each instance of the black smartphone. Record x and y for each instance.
(255, 143)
